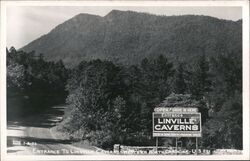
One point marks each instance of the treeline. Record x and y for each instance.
(33, 84)
(113, 104)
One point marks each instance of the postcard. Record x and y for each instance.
(124, 80)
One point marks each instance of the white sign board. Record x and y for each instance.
(176, 124)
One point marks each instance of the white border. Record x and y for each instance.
(243, 3)
(245, 68)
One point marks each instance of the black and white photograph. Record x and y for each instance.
(133, 80)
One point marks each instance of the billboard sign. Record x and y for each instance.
(176, 124)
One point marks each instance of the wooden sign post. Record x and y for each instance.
(176, 145)
(196, 146)
(156, 144)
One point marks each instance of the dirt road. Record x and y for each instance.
(33, 136)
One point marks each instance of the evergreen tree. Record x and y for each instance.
(180, 85)
(201, 79)
(225, 124)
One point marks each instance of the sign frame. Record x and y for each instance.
(177, 133)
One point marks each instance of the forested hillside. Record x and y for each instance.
(113, 104)
(127, 37)
(124, 64)
(110, 104)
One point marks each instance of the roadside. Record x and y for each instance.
(34, 135)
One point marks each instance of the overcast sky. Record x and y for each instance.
(25, 24)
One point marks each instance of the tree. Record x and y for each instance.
(180, 85)
(118, 116)
(201, 80)
(225, 124)
(35, 83)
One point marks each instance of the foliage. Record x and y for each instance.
(119, 97)
(110, 104)
(180, 85)
(225, 101)
(33, 83)
(125, 102)
(124, 97)
(201, 82)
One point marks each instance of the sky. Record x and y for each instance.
(27, 23)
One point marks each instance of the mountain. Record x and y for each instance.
(127, 37)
